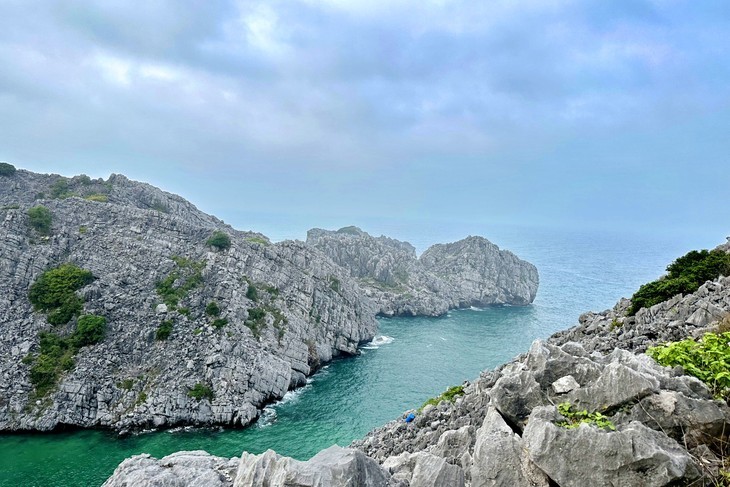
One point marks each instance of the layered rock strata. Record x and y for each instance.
(276, 316)
(470, 272)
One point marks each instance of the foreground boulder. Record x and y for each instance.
(470, 272)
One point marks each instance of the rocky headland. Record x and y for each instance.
(585, 407)
(470, 272)
(197, 330)
(126, 307)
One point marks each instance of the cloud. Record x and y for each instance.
(317, 91)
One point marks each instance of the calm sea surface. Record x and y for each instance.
(412, 360)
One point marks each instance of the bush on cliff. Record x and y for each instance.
(55, 292)
(220, 241)
(40, 219)
(685, 275)
(90, 329)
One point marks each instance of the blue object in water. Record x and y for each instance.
(410, 417)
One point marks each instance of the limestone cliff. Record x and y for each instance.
(241, 323)
(470, 272)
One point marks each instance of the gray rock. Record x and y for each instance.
(423, 469)
(181, 469)
(470, 272)
(634, 455)
(565, 384)
(333, 467)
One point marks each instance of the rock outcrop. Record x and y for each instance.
(276, 318)
(470, 272)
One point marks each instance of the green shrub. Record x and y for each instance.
(212, 309)
(55, 292)
(685, 275)
(252, 293)
(449, 395)
(201, 391)
(83, 179)
(708, 360)
(335, 284)
(258, 240)
(219, 240)
(90, 329)
(6, 169)
(576, 418)
(40, 219)
(60, 189)
(83, 230)
(126, 384)
(219, 323)
(164, 330)
(256, 321)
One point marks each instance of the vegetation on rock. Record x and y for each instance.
(6, 169)
(201, 391)
(212, 309)
(164, 330)
(707, 359)
(90, 329)
(176, 286)
(576, 418)
(219, 240)
(449, 395)
(684, 275)
(40, 219)
(55, 292)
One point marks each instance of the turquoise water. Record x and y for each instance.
(419, 358)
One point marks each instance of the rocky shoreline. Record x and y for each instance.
(657, 427)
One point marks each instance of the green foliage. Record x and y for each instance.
(615, 323)
(55, 292)
(164, 330)
(576, 418)
(90, 329)
(212, 309)
(10, 207)
(201, 391)
(449, 395)
(184, 311)
(256, 321)
(6, 169)
(158, 205)
(101, 198)
(335, 284)
(272, 290)
(40, 219)
(708, 360)
(83, 179)
(252, 293)
(141, 399)
(219, 240)
(219, 323)
(83, 230)
(176, 286)
(60, 189)
(685, 275)
(57, 353)
(126, 384)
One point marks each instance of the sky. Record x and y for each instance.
(279, 116)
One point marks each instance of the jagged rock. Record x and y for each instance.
(565, 384)
(500, 458)
(181, 469)
(470, 272)
(333, 467)
(423, 469)
(633, 455)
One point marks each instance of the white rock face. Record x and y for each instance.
(470, 272)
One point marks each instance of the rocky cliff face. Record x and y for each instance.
(470, 272)
(279, 315)
(659, 426)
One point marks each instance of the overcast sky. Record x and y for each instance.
(282, 115)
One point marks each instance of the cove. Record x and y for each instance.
(419, 359)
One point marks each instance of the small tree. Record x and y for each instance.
(40, 219)
(212, 309)
(219, 240)
(90, 329)
(6, 169)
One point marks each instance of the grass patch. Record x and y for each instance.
(449, 395)
(258, 240)
(219, 323)
(176, 286)
(100, 198)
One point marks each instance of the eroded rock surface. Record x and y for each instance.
(470, 272)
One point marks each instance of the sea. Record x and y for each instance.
(411, 360)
